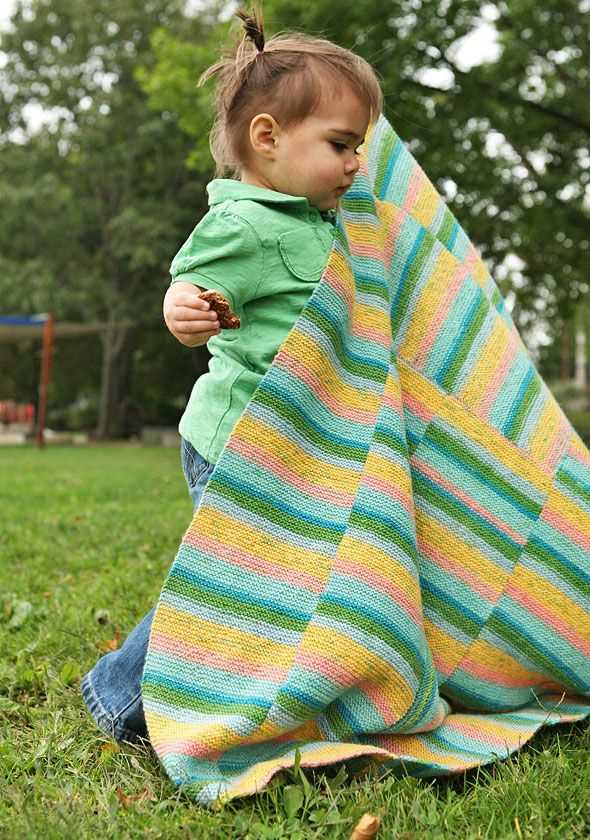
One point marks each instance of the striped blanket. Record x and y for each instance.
(392, 555)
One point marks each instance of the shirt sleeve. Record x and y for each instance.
(223, 252)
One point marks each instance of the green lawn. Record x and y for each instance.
(86, 538)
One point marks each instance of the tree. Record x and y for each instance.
(506, 141)
(100, 199)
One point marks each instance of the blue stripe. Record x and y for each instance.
(408, 264)
(451, 456)
(517, 402)
(473, 515)
(458, 343)
(390, 167)
(198, 692)
(428, 586)
(352, 445)
(216, 586)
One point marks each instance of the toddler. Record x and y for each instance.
(291, 114)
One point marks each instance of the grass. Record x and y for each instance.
(86, 537)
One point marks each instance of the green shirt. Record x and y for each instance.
(264, 251)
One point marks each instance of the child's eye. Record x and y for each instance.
(340, 147)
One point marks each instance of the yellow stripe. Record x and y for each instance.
(304, 348)
(483, 370)
(306, 465)
(489, 656)
(221, 639)
(376, 560)
(569, 510)
(429, 302)
(427, 203)
(554, 600)
(217, 525)
(480, 273)
(446, 651)
(362, 664)
(548, 427)
(394, 474)
(432, 532)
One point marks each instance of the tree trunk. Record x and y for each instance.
(113, 341)
(565, 355)
(580, 365)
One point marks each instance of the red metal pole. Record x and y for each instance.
(44, 380)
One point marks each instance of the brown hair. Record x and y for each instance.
(286, 75)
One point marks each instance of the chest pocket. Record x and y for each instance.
(305, 252)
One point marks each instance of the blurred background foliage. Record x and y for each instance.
(104, 160)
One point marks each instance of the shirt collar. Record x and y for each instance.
(228, 189)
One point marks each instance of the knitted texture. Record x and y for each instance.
(392, 555)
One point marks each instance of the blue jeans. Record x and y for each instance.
(112, 689)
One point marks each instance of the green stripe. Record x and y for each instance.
(356, 618)
(450, 613)
(446, 228)
(391, 441)
(412, 278)
(483, 470)
(545, 558)
(387, 145)
(289, 522)
(452, 509)
(450, 377)
(370, 372)
(291, 414)
(368, 523)
(187, 700)
(521, 414)
(231, 603)
(521, 645)
(569, 481)
(367, 286)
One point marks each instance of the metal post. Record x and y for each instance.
(44, 379)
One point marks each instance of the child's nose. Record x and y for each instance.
(352, 164)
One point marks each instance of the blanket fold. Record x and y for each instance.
(392, 555)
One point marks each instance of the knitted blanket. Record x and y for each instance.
(392, 556)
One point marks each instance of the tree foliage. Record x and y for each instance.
(97, 199)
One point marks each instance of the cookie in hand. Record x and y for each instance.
(219, 304)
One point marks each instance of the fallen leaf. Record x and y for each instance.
(107, 645)
(127, 799)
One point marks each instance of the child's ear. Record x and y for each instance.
(264, 133)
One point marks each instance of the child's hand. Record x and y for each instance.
(189, 318)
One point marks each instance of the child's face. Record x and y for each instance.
(317, 158)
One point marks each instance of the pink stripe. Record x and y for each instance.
(368, 576)
(510, 736)
(271, 463)
(240, 558)
(440, 316)
(330, 668)
(419, 409)
(344, 679)
(559, 444)
(390, 490)
(416, 181)
(457, 570)
(565, 527)
(196, 749)
(298, 369)
(231, 664)
(502, 368)
(519, 539)
(526, 600)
